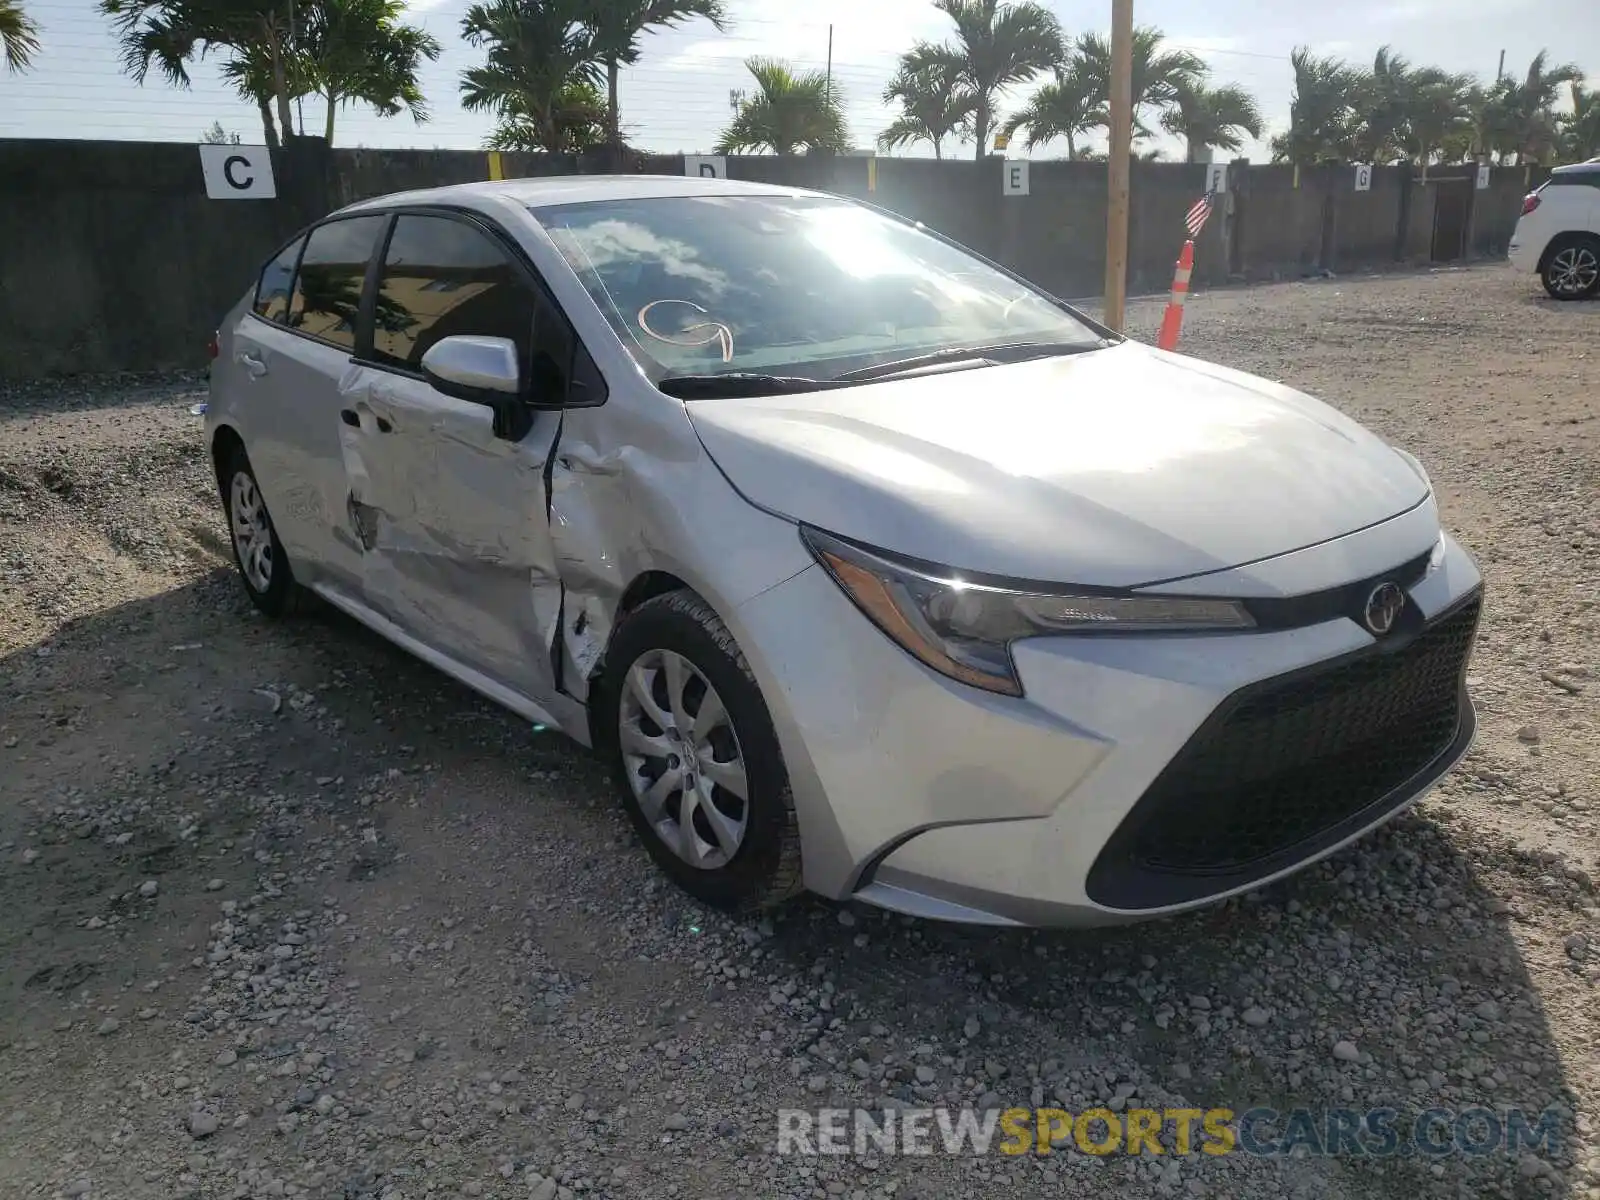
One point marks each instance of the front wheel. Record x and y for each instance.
(1572, 268)
(695, 757)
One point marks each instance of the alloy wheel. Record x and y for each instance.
(683, 759)
(252, 533)
(1573, 271)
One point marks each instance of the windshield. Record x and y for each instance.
(798, 286)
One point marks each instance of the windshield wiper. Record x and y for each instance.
(1001, 352)
(736, 383)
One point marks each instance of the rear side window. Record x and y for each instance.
(1575, 179)
(327, 291)
(443, 277)
(277, 278)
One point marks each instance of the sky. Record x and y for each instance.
(678, 97)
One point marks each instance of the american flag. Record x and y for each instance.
(1195, 220)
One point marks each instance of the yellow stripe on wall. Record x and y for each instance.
(872, 174)
(497, 168)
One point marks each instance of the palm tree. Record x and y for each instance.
(1157, 74)
(362, 51)
(1527, 109)
(168, 33)
(619, 24)
(1216, 118)
(934, 103)
(581, 117)
(1438, 122)
(537, 51)
(251, 73)
(1381, 104)
(1066, 107)
(1322, 112)
(1464, 140)
(791, 110)
(19, 35)
(1580, 131)
(996, 45)
(1496, 120)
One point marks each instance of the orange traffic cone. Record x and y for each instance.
(1172, 321)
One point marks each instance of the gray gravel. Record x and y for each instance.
(288, 914)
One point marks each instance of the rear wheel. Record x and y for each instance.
(695, 757)
(1572, 268)
(263, 566)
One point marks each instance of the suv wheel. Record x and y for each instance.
(263, 566)
(1572, 268)
(695, 756)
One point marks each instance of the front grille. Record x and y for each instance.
(1285, 765)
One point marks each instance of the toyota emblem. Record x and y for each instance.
(1383, 608)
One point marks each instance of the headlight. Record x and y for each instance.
(965, 630)
(1436, 556)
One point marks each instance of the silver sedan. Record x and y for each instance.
(868, 567)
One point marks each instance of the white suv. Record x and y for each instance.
(1558, 234)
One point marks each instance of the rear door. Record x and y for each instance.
(454, 518)
(291, 354)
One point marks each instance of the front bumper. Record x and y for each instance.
(925, 796)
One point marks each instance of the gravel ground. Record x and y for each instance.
(286, 913)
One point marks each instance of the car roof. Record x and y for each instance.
(574, 189)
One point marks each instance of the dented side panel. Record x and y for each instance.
(633, 491)
(594, 529)
(457, 547)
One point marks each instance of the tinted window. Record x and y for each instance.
(790, 285)
(327, 291)
(1576, 179)
(442, 278)
(272, 289)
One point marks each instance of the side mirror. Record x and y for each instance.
(481, 370)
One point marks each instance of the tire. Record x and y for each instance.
(1571, 269)
(275, 593)
(765, 868)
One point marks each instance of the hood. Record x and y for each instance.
(1116, 468)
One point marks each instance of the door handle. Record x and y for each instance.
(253, 366)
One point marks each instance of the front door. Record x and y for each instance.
(453, 518)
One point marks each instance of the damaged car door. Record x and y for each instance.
(290, 353)
(450, 503)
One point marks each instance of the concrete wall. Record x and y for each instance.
(114, 259)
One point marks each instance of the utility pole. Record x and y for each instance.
(830, 60)
(294, 49)
(1118, 166)
(1500, 71)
